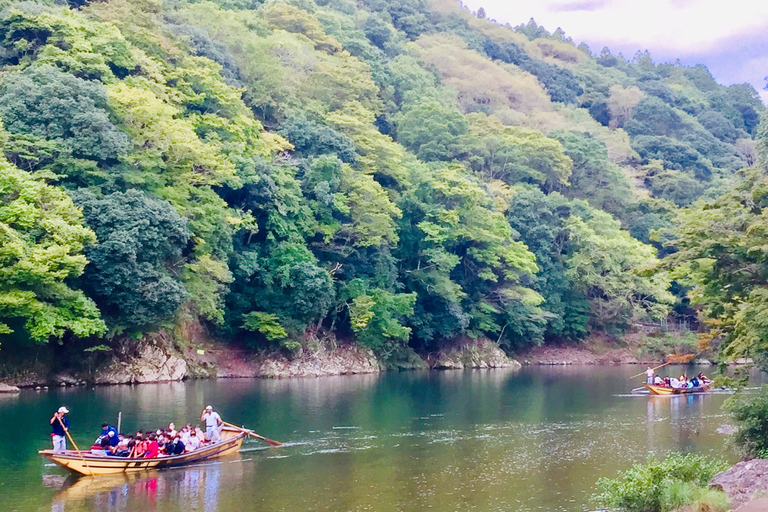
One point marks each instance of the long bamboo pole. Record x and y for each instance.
(665, 364)
(66, 431)
(654, 369)
(253, 434)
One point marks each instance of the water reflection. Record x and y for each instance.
(194, 488)
(498, 440)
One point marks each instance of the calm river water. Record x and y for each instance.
(484, 440)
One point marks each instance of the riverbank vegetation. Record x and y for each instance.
(401, 174)
(661, 486)
(751, 413)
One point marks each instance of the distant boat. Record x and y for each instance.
(86, 463)
(663, 390)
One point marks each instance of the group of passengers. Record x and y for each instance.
(144, 444)
(682, 383)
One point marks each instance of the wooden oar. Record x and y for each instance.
(66, 431)
(254, 434)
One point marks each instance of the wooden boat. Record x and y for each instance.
(663, 390)
(86, 463)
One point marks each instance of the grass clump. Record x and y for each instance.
(660, 486)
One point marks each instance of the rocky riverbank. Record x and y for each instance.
(746, 485)
(159, 359)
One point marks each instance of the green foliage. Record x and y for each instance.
(751, 411)
(130, 272)
(47, 105)
(608, 265)
(376, 317)
(42, 238)
(402, 173)
(661, 486)
(265, 323)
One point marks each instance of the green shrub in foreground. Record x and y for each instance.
(660, 486)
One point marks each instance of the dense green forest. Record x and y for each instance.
(399, 173)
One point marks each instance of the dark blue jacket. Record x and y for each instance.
(113, 441)
(56, 427)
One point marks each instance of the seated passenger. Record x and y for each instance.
(152, 447)
(123, 449)
(171, 430)
(192, 444)
(176, 446)
(658, 381)
(140, 447)
(106, 428)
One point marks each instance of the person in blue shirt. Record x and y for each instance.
(59, 427)
(106, 428)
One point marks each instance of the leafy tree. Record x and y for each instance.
(310, 138)
(607, 265)
(651, 116)
(42, 238)
(515, 154)
(593, 176)
(129, 274)
(69, 112)
(674, 155)
(433, 131)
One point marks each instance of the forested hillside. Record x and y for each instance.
(398, 173)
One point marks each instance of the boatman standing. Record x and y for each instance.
(649, 375)
(59, 426)
(213, 424)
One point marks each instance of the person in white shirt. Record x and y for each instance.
(192, 444)
(213, 424)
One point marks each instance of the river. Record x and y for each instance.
(484, 440)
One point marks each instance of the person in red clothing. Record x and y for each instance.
(152, 448)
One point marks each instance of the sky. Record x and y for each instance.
(730, 37)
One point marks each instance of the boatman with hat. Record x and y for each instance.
(213, 424)
(59, 426)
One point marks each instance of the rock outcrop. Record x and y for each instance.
(342, 360)
(481, 353)
(744, 482)
(142, 362)
(7, 388)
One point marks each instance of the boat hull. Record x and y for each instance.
(662, 390)
(86, 463)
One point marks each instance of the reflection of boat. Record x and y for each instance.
(663, 390)
(86, 463)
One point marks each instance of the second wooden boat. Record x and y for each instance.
(86, 463)
(663, 390)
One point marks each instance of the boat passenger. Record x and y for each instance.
(213, 424)
(194, 442)
(106, 428)
(152, 447)
(658, 381)
(175, 447)
(59, 426)
(171, 430)
(123, 448)
(140, 447)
